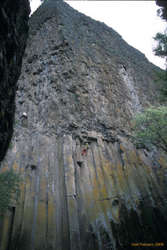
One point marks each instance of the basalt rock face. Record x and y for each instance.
(84, 184)
(13, 33)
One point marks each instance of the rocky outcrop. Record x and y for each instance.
(13, 33)
(84, 184)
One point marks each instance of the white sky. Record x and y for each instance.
(135, 21)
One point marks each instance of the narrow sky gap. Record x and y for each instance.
(136, 21)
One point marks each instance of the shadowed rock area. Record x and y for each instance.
(84, 184)
(14, 16)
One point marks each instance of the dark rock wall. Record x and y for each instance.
(14, 16)
(84, 184)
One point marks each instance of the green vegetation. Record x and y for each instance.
(9, 189)
(161, 49)
(150, 128)
(162, 11)
(161, 82)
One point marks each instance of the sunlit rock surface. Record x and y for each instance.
(84, 184)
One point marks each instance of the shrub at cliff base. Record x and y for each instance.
(150, 128)
(9, 189)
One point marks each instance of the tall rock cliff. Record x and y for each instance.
(14, 16)
(84, 184)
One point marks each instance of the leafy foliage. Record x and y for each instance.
(150, 128)
(162, 12)
(161, 49)
(9, 189)
(162, 85)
